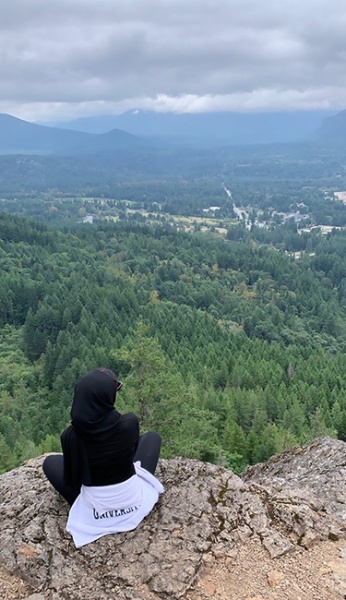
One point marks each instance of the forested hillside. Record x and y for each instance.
(232, 349)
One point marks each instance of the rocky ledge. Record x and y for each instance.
(294, 500)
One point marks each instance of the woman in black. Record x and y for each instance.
(100, 446)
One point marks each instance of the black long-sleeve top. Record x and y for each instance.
(92, 461)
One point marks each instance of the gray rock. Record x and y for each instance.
(295, 498)
(304, 490)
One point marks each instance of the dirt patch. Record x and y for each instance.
(249, 573)
(12, 587)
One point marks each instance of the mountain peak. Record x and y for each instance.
(18, 136)
(332, 130)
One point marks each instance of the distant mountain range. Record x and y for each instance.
(143, 129)
(20, 137)
(332, 130)
(222, 128)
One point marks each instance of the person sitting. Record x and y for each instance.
(106, 471)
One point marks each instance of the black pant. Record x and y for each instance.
(148, 452)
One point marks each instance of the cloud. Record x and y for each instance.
(63, 59)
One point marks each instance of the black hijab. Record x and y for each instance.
(94, 419)
(93, 413)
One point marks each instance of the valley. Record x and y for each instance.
(213, 281)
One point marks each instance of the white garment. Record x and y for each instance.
(101, 510)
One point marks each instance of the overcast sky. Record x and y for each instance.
(62, 59)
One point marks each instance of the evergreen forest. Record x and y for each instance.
(232, 348)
